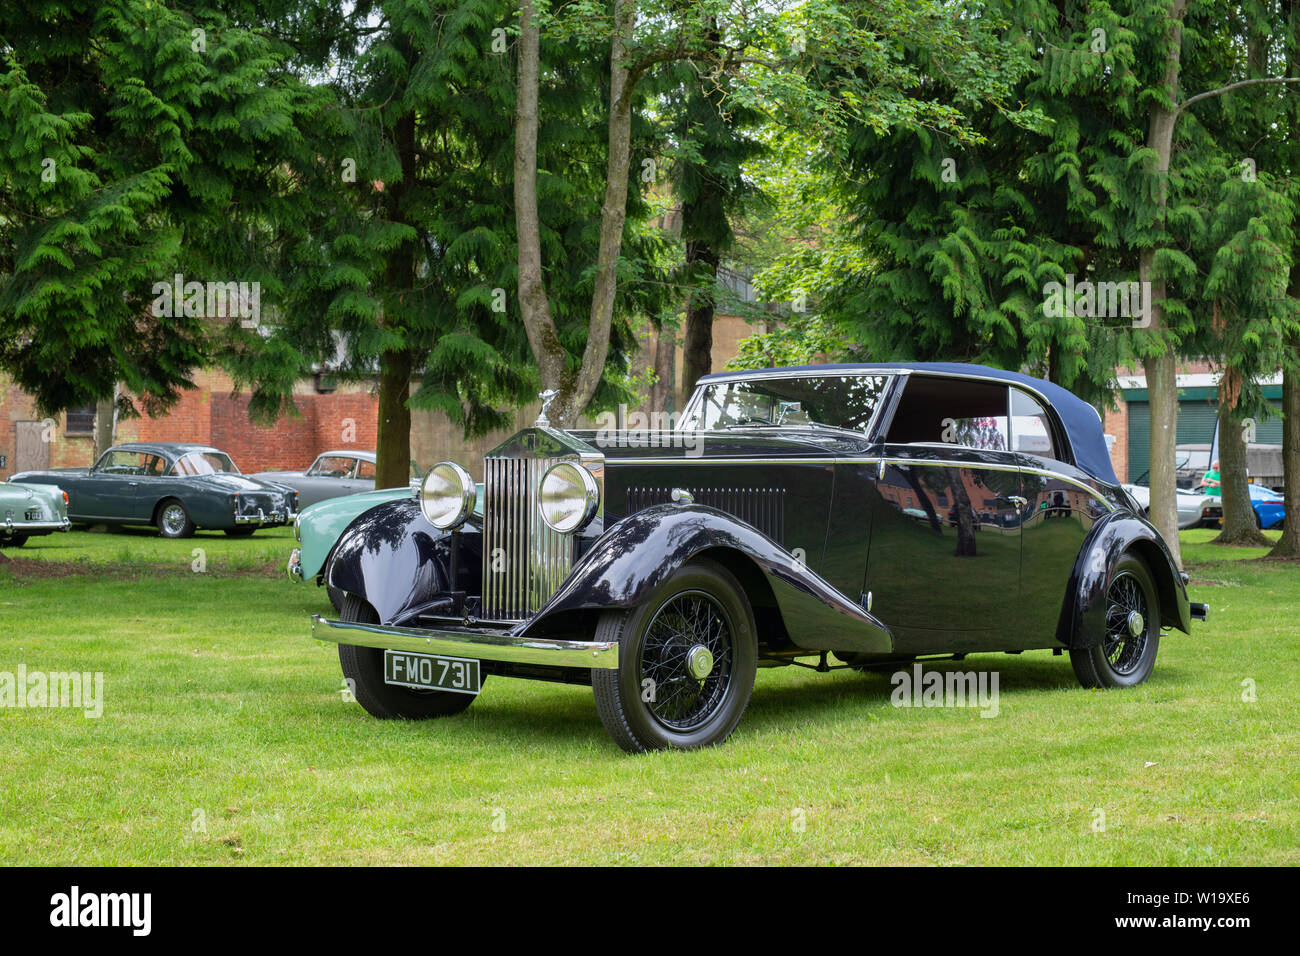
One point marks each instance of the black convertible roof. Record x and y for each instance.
(1082, 422)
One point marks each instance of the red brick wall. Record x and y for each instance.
(211, 414)
(1116, 423)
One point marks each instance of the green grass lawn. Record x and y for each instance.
(225, 739)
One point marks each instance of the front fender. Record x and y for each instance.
(400, 564)
(636, 555)
(1112, 536)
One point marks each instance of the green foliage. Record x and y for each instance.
(126, 137)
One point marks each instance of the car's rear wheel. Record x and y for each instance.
(173, 520)
(1127, 653)
(687, 659)
(363, 669)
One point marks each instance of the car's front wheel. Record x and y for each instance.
(363, 669)
(173, 520)
(687, 659)
(1127, 653)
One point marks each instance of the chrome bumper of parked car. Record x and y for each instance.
(27, 527)
(1200, 612)
(275, 517)
(483, 645)
(295, 564)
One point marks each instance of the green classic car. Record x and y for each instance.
(319, 526)
(27, 511)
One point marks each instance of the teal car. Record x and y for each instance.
(29, 510)
(319, 527)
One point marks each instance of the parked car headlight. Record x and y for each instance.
(447, 495)
(568, 497)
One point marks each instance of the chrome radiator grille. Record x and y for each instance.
(524, 561)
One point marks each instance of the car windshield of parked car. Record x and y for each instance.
(332, 466)
(204, 463)
(838, 401)
(118, 462)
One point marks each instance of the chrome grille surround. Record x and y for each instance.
(524, 561)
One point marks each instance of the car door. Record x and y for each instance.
(111, 492)
(1064, 503)
(943, 568)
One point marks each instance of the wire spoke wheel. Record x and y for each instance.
(686, 660)
(1126, 631)
(1125, 653)
(686, 663)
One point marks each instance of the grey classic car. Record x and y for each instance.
(332, 474)
(27, 511)
(174, 486)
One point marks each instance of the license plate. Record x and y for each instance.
(35, 514)
(459, 675)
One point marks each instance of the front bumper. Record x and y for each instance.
(483, 645)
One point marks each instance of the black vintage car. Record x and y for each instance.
(869, 514)
(174, 486)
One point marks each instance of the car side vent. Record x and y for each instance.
(764, 508)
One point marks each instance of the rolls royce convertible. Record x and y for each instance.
(174, 486)
(862, 516)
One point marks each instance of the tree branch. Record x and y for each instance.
(1233, 86)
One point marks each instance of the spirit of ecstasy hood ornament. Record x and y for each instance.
(547, 397)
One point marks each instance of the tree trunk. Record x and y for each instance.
(663, 394)
(1238, 516)
(697, 348)
(393, 449)
(534, 304)
(1160, 369)
(1288, 546)
(105, 423)
(575, 391)
(393, 438)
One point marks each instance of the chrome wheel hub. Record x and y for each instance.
(174, 519)
(699, 662)
(1135, 622)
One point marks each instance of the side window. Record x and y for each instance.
(333, 467)
(365, 470)
(1031, 431)
(124, 463)
(954, 411)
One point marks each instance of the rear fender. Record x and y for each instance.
(1083, 623)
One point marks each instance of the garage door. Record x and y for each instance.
(1196, 420)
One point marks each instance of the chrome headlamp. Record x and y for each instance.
(447, 495)
(567, 497)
